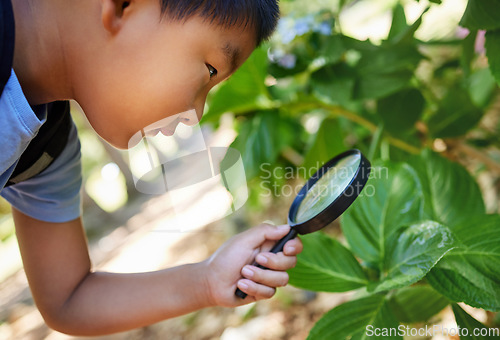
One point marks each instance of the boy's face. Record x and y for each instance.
(152, 69)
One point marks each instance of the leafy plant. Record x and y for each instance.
(416, 241)
(419, 238)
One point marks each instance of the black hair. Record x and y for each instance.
(261, 14)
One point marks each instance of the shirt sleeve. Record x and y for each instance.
(54, 194)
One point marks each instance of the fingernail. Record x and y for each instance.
(242, 284)
(291, 250)
(283, 227)
(261, 259)
(247, 272)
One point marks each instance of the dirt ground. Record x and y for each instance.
(141, 243)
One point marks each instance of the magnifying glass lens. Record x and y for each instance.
(328, 188)
(324, 197)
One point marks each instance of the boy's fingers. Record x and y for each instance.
(258, 235)
(277, 261)
(293, 247)
(277, 232)
(270, 278)
(256, 290)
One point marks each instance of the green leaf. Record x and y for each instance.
(356, 320)
(326, 265)
(403, 33)
(413, 254)
(469, 326)
(327, 143)
(468, 52)
(400, 111)
(417, 303)
(386, 69)
(359, 45)
(388, 59)
(493, 52)
(481, 86)
(378, 85)
(451, 195)
(481, 15)
(259, 140)
(456, 115)
(244, 91)
(399, 24)
(334, 83)
(471, 273)
(391, 198)
(332, 48)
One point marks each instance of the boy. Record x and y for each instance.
(128, 64)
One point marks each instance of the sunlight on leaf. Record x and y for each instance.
(414, 253)
(392, 198)
(470, 273)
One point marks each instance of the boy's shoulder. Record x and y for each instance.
(52, 195)
(53, 134)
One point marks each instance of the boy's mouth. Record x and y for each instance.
(168, 130)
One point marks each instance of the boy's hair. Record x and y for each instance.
(261, 14)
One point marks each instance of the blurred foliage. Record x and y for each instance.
(316, 90)
(389, 99)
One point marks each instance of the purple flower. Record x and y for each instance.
(288, 61)
(480, 40)
(323, 28)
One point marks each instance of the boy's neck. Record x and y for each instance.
(41, 49)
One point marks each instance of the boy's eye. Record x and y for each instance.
(211, 70)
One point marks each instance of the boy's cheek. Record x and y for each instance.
(118, 122)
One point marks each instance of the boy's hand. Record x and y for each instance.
(230, 266)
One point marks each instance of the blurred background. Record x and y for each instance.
(388, 77)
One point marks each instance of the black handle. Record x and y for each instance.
(276, 249)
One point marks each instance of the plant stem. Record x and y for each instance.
(292, 156)
(340, 111)
(377, 138)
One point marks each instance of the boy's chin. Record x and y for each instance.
(120, 146)
(119, 142)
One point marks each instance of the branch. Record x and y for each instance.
(341, 112)
(474, 153)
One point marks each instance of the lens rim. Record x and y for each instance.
(340, 204)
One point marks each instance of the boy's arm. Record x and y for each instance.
(72, 299)
(75, 300)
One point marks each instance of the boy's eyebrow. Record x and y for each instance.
(231, 54)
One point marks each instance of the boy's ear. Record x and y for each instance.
(112, 14)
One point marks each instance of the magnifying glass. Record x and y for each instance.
(324, 197)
